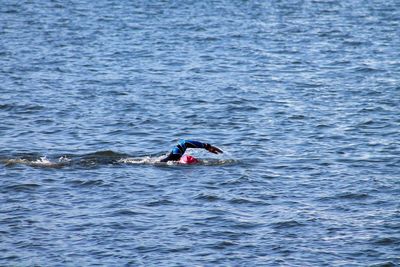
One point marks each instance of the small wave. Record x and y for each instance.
(207, 197)
(41, 162)
(366, 69)
(127, 212)
(384, 264)
(9, 162)
(86, 183)
(160, 202)
(351, 195)
(100, 157)
(21, 108)
(386, 241)
(287, 224)
(105, 154)
(22, 187)
(224, 244)
(45, 162)
(245, 201)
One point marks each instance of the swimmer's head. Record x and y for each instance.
(187, 159)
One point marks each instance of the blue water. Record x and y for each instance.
(302, 96)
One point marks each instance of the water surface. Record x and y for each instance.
(303, 97)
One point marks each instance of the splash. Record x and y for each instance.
(40, 162)
(141, 160)
(156, 161)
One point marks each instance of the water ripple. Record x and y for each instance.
(302, 96)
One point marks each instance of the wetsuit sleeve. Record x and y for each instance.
(194, 144)
(178, 150)
(171, 157)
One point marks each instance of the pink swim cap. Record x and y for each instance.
(186, 159)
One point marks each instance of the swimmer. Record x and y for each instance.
(177, 151)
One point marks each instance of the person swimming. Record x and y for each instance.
(178, 151)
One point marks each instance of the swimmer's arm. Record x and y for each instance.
(197, 144)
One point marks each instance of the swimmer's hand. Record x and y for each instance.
(213, 149)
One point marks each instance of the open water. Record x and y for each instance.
(302, 95)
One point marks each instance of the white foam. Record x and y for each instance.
(141, 160)
(41, 162)
(64, 159)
